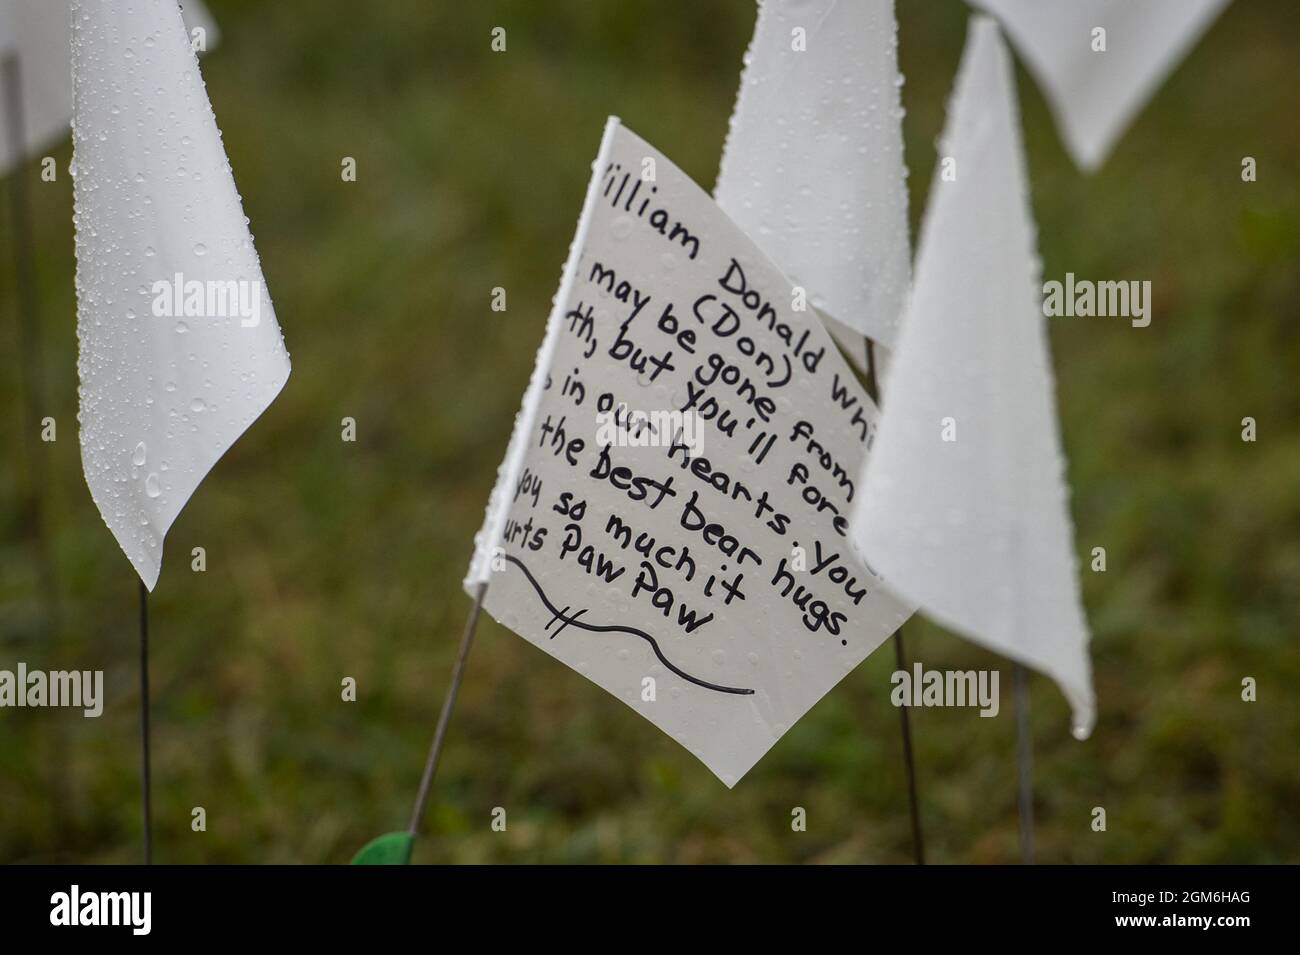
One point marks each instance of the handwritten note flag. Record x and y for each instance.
(671, 518)
(179, 346)
(813, 167)
(37, 32)
(1096, 82)
(964, 508)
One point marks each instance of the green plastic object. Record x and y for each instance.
(392, 848)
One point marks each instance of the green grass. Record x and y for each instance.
(328, 560)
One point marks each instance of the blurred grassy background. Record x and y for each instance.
(328, 560)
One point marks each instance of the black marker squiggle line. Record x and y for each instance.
(615, 628)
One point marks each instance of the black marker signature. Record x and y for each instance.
(573, 621)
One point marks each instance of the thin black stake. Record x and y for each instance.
(918, 845)
(873, 380)
(31, 350)
(1025, 766)
(146, 776)
(444, 718)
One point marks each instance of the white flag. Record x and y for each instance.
(179, 346)
(8, 27)
(672, 517)
(1099, 61)
(813, 167)
(37, 32)
(964, 509)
